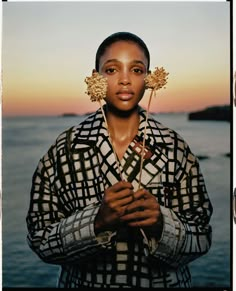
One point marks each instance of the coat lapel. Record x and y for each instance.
(93, 132)
(158, 141)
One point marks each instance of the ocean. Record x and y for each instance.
(26, 139)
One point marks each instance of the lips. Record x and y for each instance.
(125, 95)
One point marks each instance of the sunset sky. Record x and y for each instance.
(48, 48)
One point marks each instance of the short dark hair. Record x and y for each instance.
(119, 36)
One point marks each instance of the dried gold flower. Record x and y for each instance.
(96, 87)
(157, 79)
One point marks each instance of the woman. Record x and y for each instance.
(88, 212)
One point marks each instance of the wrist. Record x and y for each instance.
(155, 230)
(99, 224)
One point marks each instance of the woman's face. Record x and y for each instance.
(125, 66)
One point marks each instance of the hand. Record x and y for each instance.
(115, 200)
(144, 212)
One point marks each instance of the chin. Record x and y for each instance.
(122, 110)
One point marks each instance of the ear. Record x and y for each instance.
(94, 71)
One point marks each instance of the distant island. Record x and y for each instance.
(217, 113)
(70, 114)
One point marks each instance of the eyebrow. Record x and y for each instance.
(117, 61)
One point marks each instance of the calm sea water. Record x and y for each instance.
(26, 139)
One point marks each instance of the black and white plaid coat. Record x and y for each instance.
(67, 189)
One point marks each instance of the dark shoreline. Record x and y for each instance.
(216, 113)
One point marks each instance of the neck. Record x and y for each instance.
(123, 125)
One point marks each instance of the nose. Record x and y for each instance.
(124, 78)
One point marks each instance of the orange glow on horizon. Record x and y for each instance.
(55, 97)
(167, 100)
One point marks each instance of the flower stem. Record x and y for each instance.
(144, 138)
(106, 124)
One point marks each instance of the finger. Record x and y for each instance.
(142, 194)
(124, 201)
(116, 201)
(120, 198)
(146, 199)
(139, 205)
(121, 185)
(141, 215)
(117, 192)
(135, 215)
(141, 223)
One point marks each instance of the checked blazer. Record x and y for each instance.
(67, 189)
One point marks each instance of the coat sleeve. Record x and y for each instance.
(54, 235)
(186, 233)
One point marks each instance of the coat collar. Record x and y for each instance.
(93, 130)
(157, 134)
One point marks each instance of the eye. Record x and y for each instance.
(138, 70)
(110, 70)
